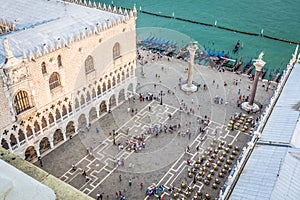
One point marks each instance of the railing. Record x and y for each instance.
(247, 150)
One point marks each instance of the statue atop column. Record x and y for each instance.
(250, 105)
(189, 87)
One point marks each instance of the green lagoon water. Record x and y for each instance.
(278, 18)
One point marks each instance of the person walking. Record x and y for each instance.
(120, 178)
(130, 182)
(100, 196)
(141, 185)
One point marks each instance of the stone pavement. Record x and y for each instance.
(163, 160)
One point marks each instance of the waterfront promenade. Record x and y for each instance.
(163, 160)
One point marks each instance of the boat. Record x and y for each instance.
(236, 47)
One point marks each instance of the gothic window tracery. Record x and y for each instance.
(116, 51)
(54, 80)
(21, 101)
(44, 69)
(89, 64)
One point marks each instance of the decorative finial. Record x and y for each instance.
(8, 52)
(134, 12)
(24, 52)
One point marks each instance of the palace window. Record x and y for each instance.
(54, 81)
(89, 64)
(21, 101)
(116, 51)
(59, 62)
(44, 69)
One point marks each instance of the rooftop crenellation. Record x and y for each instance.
(54, 25)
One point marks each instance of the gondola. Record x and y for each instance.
(236, 47)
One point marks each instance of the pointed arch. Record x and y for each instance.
(127, 72)
(108, 84)
(98, 90)
(70, 129)
(21, 101)
(114, 81)
(44, 68)
(30, 153)
(89, 64)
(104, 86)
(21, 136)
(44, 122)
(29, 131)
(36, 127)
(76, 103)
(54, 81)
(112, 101)
(70, 107)
(88, 96)
(123, 75)
(92, 114)
(44, 145)
(82, 100)
(64, 111)
(122, 95)
(102, 108)
(118, 78)
(51, 119)
(13, 140)
(57, 137)
(94, 93)
(116, 50)
(4, 144)
(57, 115)
(82, 123)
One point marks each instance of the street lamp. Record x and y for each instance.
(161, 94)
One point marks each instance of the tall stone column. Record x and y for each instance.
(254, 86)
(250, 105)
(192, 50)
(189, 87)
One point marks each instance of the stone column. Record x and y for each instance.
(98, 110)
(37, 150)
(250, 105)
(51, 142)
(254, 86)
(189, 87)
(64, 132)
(192, 50)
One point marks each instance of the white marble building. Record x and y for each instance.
(62, 65)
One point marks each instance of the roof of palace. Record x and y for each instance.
(42, 26)
(273, 168)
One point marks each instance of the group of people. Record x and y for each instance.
(156, 129)
(136, 143)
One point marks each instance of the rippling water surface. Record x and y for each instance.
(278, 18)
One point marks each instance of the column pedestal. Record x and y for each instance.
(247, 107)
(188, 88)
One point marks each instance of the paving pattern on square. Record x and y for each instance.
(101, 164)
(163, 161)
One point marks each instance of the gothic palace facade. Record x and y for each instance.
(60, 69)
